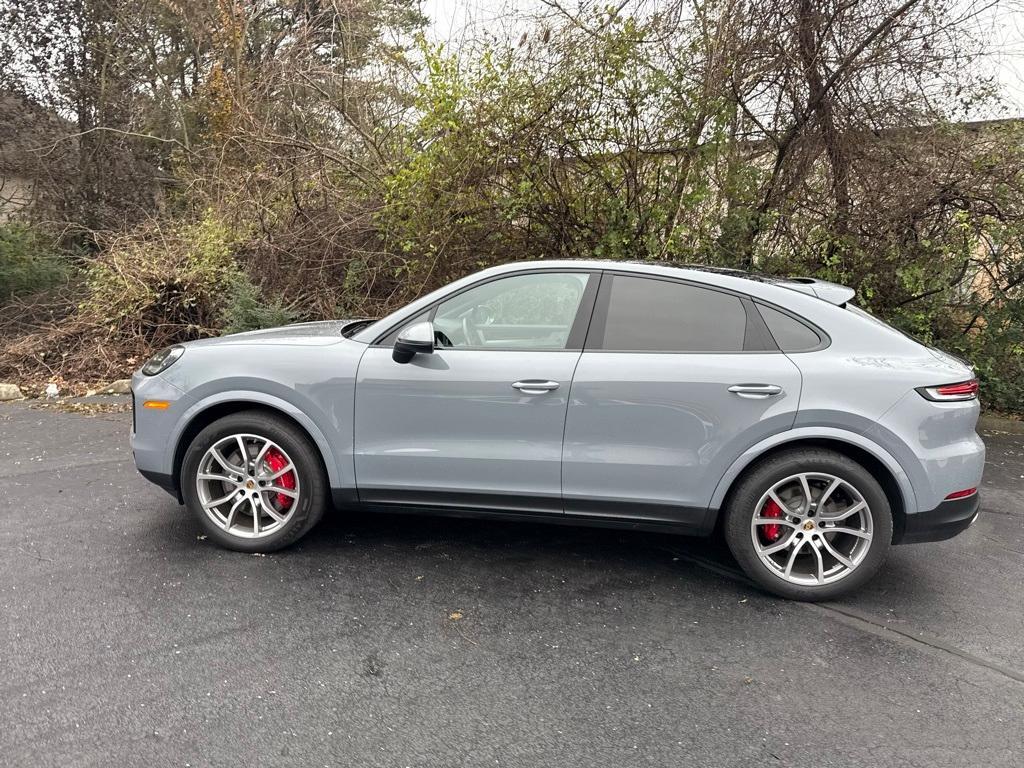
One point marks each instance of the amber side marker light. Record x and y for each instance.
(157, 405)
(961, 494)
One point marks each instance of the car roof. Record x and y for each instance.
(724, 277)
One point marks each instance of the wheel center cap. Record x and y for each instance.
(250, 484)
(809, 525)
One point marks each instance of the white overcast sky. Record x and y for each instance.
(1000, 22)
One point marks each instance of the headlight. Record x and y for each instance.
(162, 360)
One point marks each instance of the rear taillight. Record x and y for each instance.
(962, 390)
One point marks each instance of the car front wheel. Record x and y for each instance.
(254, 481)
(809, 524)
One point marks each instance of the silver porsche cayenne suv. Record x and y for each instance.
(770, 411)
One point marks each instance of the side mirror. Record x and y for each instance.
(418, 337)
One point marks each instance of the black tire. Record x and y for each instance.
(312, 478)
(764, 475)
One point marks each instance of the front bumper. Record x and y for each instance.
(944, 522)
(162, 480)
(151, 429)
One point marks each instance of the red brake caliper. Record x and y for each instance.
(275, 462)
(771, 531)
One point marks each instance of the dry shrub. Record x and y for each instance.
(162, 283)
(155, 285)
(329, 260)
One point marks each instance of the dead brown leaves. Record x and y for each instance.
(83, 409)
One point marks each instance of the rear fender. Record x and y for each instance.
(781, 439)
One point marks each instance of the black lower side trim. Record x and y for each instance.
(695, 520)
(466, 500)
(163, 481)
(603, 521)
(542, 509)
(944, 522)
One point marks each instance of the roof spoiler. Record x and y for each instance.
(833, 293)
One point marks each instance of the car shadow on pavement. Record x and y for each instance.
(593, 559)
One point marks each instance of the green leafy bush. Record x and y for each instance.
(28, 262)
(996, 348)
(246, 308)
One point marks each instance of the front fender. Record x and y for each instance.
(328, 448)
(781, 439)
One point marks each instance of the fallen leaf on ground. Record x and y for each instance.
(84, 409)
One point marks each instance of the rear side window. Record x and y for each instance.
(789, 333)
(649, 315)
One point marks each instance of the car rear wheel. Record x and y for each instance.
(809, 524)
(254, 481)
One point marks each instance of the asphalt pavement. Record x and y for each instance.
(127, 639)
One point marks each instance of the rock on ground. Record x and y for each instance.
(119, 387)
(10, 392)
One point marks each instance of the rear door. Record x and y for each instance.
(676, 380)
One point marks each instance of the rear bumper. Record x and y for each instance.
(944, 522)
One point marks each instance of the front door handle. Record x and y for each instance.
(535, 386)
(755, 391)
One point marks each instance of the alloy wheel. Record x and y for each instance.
(812, 528)
(248, 485)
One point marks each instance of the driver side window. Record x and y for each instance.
(534, 311)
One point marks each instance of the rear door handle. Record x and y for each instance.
(755, 391)
(535, 386)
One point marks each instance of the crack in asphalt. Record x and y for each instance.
(865, 622)
(870, 624)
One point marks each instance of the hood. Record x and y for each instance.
(316, 334)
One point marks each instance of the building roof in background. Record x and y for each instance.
(27, 132)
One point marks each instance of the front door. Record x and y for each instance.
(477, 423)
